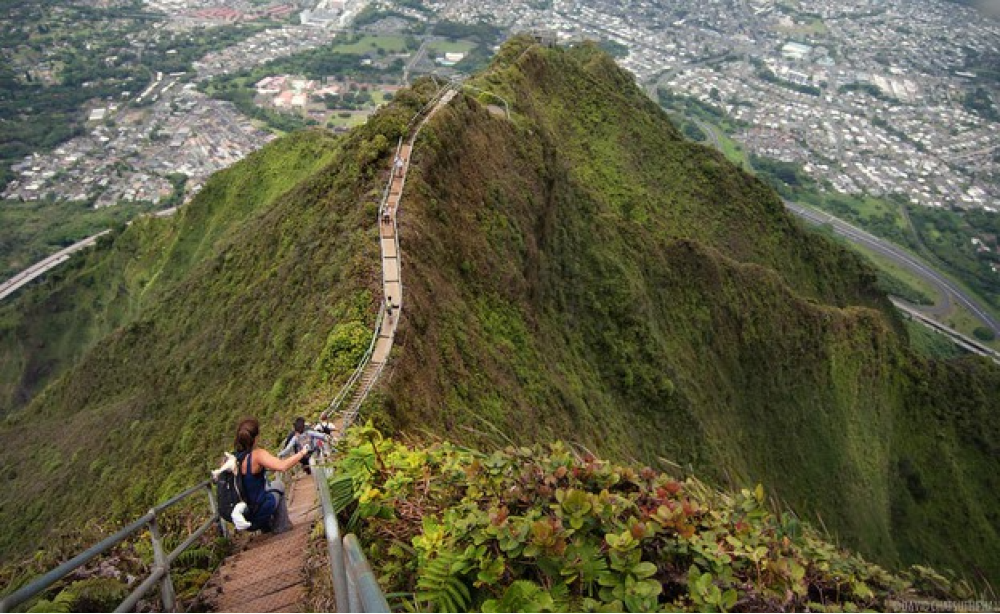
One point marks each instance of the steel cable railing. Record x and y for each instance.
(359, 371)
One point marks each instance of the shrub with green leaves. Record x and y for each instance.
(546, 529)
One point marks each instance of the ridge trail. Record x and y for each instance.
(270, 574)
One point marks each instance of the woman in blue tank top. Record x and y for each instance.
(268, 509)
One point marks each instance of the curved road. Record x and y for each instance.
(855, 235)
(948, 291)
(16, 282)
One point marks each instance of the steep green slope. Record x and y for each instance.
(581, 271)
(258, 299)
(549, 529)
(79, 304)
(576, 272)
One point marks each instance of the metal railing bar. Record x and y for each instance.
(506, 105)
(372, 599)
(177, 498)
(334, 546)
(147, 585)
(342, 394)
(40, 584)
(190, 540)
(354, 598)
(45, 581)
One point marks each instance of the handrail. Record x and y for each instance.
(388, 184)
(342, 394)
(430, 104)
(352, 411)
(334, 544)
(395, 228)
(346, 388)
(365, 584)
(506, 105)
(354, 585)
(161, 563)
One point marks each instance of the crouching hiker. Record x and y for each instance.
(267, 509)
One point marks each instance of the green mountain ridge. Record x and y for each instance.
(54, 324)
(577, 272)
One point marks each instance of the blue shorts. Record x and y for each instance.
(265, 511)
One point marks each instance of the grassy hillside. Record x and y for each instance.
(584, 270)
(577, 272)
(257, 299)
(85, 300)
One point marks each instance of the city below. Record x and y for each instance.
(869, 97)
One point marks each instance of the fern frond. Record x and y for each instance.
(341, 492)
(196, 557)
(440, 588)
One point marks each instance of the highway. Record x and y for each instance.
(946, 287)
(966, 343)
(419, 55)
(18, 281)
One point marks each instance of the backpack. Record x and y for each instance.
(229, 492)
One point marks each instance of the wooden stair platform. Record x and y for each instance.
(269, 574)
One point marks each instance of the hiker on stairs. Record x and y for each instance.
(268, 508)
(295, 442)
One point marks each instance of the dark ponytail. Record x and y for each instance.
(246, 434)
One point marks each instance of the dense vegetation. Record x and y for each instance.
(613, 280)
(86, 300)
(547, 529)
(948, 236)
(580, 270)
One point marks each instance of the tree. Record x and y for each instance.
(694, 132)
(983, 334)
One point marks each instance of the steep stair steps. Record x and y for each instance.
(269, 573)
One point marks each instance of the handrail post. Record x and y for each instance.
(214, 507)
(334, 545)
(160, 561)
